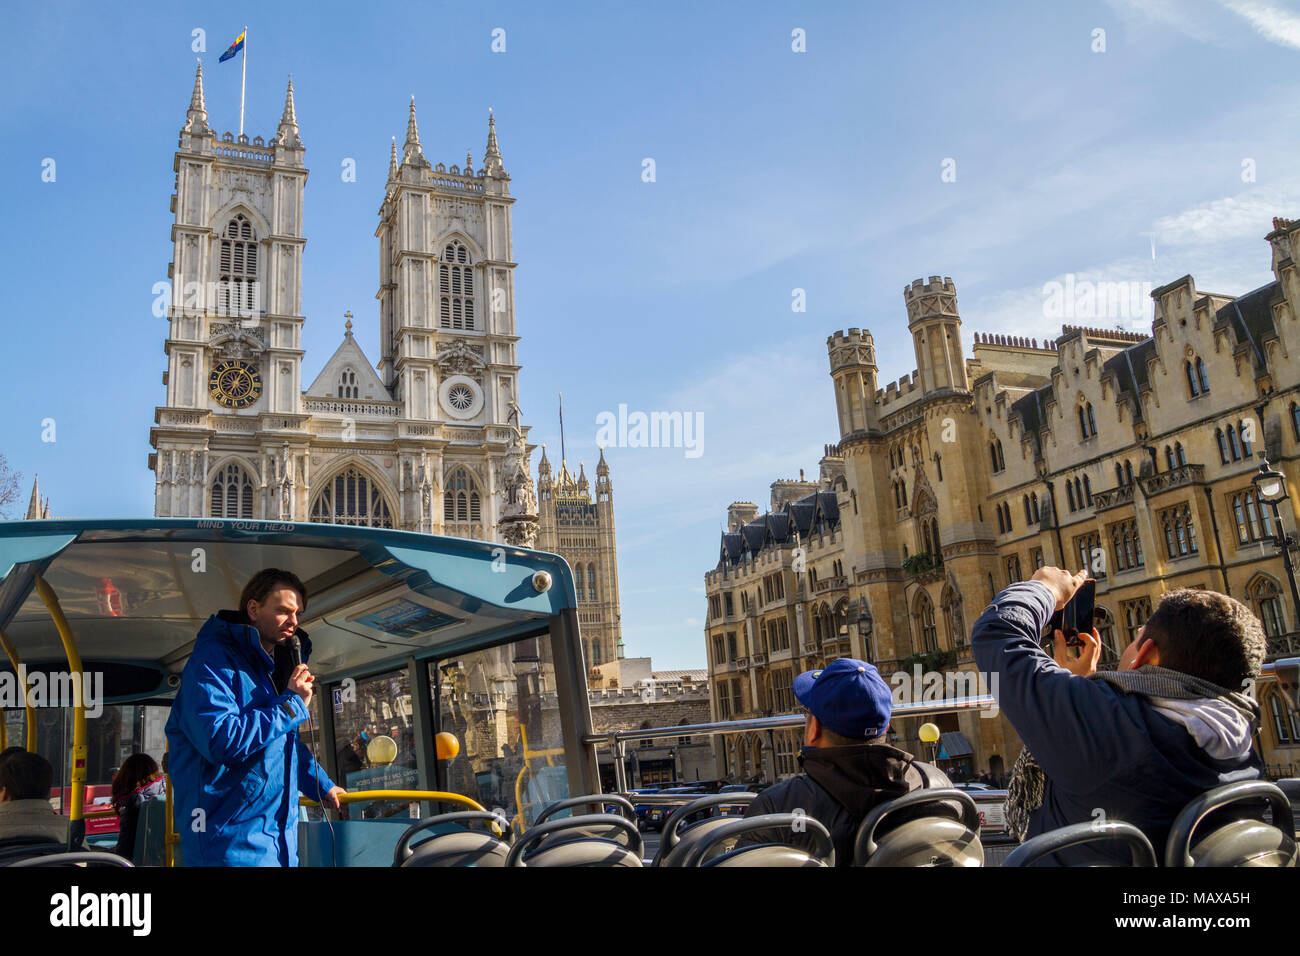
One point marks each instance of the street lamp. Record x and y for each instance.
(1271, 485)
(929, 734)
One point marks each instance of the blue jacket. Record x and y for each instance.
(1100, 748)
(234, 752)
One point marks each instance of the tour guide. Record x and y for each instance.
(233, 736)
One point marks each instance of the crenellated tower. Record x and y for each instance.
(935, 325)
(853, 369)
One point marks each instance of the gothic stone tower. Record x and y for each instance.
(233, 399)
(432, 440)
(582, 531)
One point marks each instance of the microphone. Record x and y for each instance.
(295, 650)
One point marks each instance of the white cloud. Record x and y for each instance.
(1274, 23)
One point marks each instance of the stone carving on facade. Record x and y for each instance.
(233, 343)
(460, 358)
(518, 522)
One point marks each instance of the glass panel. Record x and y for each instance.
(501, 705)
(379, 707)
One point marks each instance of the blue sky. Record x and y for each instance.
(775, 170)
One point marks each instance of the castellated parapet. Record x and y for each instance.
(857, 348)
(930, 298)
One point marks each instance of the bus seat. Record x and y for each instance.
(455, 845)
(707, 849)
(1078, 834)
(13, 849)
(350, 842)
(921, 828)
(1236, 840)
(598, 800)
(151, 834)
(577, 848)
(679, 836)
(79, 858)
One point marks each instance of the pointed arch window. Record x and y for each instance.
(1069, 494)
(1029, 514)
(1180, 458)
(456, 288)
(232, 494)
(1245, 439)
(1201, 377)
(1223, 445)
(1234, 447)
(1087, 421)
(460, 502)
(1033, 500)
(591, 582)
(1280, 724)
(347, 387)
(1266, 599)
(578, 581)
(237, 287)
(925, 623)
(352, 498)
(1169, 458)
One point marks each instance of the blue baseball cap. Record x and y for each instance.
(848, 696)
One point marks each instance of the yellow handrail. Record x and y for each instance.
(51, 601)
(12, 653)
(411, 796)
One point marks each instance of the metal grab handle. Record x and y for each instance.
(595, 799)
(412, 796)
(1178, 851)
(864, 844)
(669, 838)
(534, 835)
(81, 856)
(1077, 834)
(768, 821)
(402, 851)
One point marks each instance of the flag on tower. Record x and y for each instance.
(234, 48)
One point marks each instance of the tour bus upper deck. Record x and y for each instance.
(432, 634)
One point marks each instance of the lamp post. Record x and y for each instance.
(1272, 488)
(929, 734)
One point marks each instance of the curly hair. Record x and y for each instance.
(1208, 635)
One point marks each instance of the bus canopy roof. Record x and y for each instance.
(136, 592)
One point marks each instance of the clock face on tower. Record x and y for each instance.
(235, 384)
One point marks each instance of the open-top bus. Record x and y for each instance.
(451, 690)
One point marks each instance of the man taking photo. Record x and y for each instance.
(1137, 743)
(232, 733)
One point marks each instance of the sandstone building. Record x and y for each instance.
(1130, 454)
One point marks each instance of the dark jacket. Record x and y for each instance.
(838, 788)
(236, 762)
(1100, 748)
(130, 815)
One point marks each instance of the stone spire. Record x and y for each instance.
(469, 163)
(196, 120)
(412, 152)
(34, 506)
(602, 469)
(392, 161)
(45, 508)
(582, 478)
(492, 158)
(287, 133)
(544, 466)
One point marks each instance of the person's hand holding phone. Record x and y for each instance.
(1088, 645)
(1061, 583)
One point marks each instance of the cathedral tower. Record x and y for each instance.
(233, 382)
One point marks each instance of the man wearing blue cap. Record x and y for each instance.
(848, 769)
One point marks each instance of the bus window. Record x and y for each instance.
(374, 708)
(500, 704)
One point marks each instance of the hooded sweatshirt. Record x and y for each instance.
(838, 788)
(1105, 753)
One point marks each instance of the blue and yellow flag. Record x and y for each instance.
(234, 48)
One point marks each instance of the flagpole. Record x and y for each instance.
(243, 78)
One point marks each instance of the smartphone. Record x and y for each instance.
(1077, 614)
